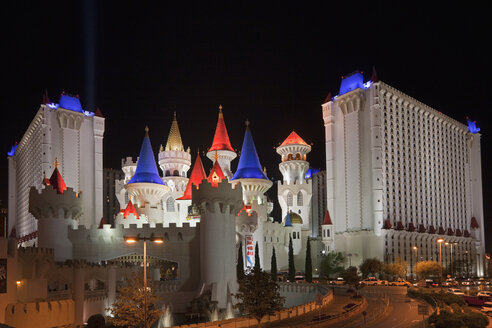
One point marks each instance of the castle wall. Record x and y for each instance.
(40, 314)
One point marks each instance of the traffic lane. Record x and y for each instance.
(374, 304)
(402, 312)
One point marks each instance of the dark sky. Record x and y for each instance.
(271, 65)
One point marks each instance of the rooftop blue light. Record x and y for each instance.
(310, 172)
(249, 166)
(70, 103)
(12, 150)
(352, 82)
(472, 127)
(146, 168)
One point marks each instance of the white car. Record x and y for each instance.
(456, 291)
(485, 293)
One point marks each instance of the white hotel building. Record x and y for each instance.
(401, 175)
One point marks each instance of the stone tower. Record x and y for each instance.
(175, 163)
(218, 202)
(294, 192)
(55, 208)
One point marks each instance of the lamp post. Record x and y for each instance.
(440, 241)
(450, 244)
(133, 240)
(415, 248)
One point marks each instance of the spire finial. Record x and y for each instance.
(174, 115)
(56, 163)
(216, 157)
(220, 107)
(247, 123)
(146, 130)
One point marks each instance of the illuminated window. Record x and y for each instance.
(290, 200)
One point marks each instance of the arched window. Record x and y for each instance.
(170, 204)
(298, 156)
(168, 173)
(176, 173)
(299, 198)
(289, 157)
(290, 201)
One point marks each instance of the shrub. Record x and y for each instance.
(475, 320)
(447, 319)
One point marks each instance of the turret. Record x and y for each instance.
(327, 233)
(146, 186)
(294, 165)
(56, 207)
(295, 192)
(219, 204)
(253, 180)
(293, 224)
(221, 150)
(175, 163)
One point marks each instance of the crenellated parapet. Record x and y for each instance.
(225, 199)
(128, 165)
(47, 203)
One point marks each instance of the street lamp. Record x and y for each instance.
(451, 245)
(440, 241)
(134, 240)
(415, 248)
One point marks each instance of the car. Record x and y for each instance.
(466, 283)
(485, 293)
(456, 291)
(400, 282)
(371, 281)
(487, 310)
(339, 281)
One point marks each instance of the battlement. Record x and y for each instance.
(48, 203)
(35, 251)
(128, 161)
(174, 154)
(302, 182)
(226, 197)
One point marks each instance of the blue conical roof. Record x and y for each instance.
(249, 164)
(146, 168)
(288, 221)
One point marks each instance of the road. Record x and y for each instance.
(401, 312)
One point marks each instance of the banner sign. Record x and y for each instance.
(249, 249)
(3, 275)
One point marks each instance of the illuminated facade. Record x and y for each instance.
(401, 175)
(63, 131)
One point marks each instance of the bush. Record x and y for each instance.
(447, 319)
(475, 320)
(456, 308)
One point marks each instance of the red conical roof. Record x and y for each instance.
(474, 223)
(221, 138)
(294, 139)
(197, 176)
(99, 113)
(327, 218)
(130, 209)
(56, 180)
(216, 175)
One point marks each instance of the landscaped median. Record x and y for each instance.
(292, 312)
(450, 310)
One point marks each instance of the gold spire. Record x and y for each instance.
(56, 163)
(220, 111)
(174, 139)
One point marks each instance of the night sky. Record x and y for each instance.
(271, 65)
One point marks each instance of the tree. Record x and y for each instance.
(273, 270)
(257, 257)
(398, 269)
(128, 310)
(240, 262)
(292, 267)
(259, 295)
(351, 276)
(309, 265)
(371, 266)
(332, 264)
(428, 269)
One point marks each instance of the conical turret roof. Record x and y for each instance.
(197, 176)
(130, 209)
(146, 168)
(216, 175)
(56, 180)
(221, 138)
(294, 139)
(174, 139)
(249, 164)
(327, 218)
(288, 222)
